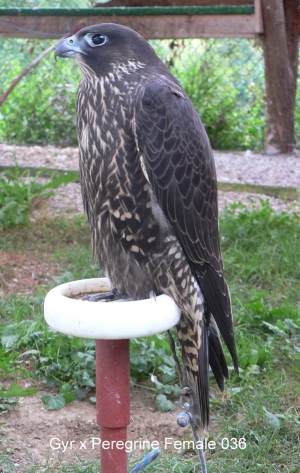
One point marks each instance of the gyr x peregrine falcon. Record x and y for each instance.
(150, 194)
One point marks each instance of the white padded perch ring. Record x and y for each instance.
(106, 320)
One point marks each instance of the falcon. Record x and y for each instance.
(149, 190)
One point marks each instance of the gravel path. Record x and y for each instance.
(234, 167)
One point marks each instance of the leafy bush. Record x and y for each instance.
(224, 79)
(19, 193)
(41, 108)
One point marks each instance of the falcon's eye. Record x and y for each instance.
(96, 39)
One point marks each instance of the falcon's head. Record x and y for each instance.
(106, 47)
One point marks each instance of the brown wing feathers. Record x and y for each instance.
(179, 162)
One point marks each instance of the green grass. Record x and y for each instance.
(261, 252)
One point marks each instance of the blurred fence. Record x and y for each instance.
(225, 80)
(223, 77)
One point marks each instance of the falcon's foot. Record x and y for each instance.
(110, 296)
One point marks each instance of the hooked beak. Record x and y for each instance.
(68, 47)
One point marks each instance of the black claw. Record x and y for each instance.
(101, 296)
(109, 296)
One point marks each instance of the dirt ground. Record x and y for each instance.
(21, 273)
(31, 433)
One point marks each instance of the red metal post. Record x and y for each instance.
(113, 402)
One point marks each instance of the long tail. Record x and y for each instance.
(193, 337)
(200, 346)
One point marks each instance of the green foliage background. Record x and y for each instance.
(223, 77)
(225, 81)
(41, 109)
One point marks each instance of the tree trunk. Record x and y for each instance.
(292, 18)
(280, 53)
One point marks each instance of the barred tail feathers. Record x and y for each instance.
(217, 359)
(193, 337)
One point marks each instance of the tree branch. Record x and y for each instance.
(36, 61)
